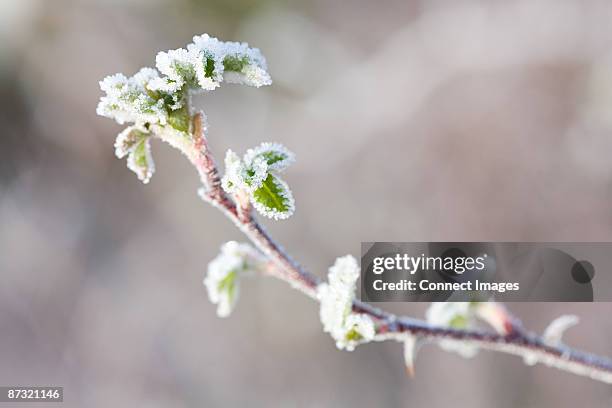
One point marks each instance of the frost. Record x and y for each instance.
(276, 156)
(256, 175)
(336, 298)
(207, 62)
(140, 160)
(160, 98)
(127, 100)
(234, 168)
(127, 139)
(250, 75)
(147, 97)
(457, 315)
(531, 358)
(222, 280)
(240, 63)
(240, 176)
(192, 68)
(134, 143)
(411, 348)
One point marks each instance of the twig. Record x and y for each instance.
(389, 326)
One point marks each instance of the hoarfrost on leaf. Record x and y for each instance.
(207, 62)
(127, 139)
(222, 280)
(276, 156)
(190, 67)
(234, 168)
(256, 175)
(359, 328)
(160, 98)
(140, 160)
(336, 298)
(127, 99)
(133, 142)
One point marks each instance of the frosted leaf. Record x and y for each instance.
(276, 156)
(127, 100)
(149, 97)
(250, 75)
(144, 76)
(234, 168)
(140, 160)
(207, 62)
(457, 315)
(335, 307)
(555, 330)
(274, 198)
(344, 272)
(207, 43)
(222, 280)
(240, 63)
(134, 142)
(192, 68)
(254, 174)
(359, 328)
(336, 299)
(127, 139)
(240, 176)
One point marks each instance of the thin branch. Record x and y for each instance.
(389, 326)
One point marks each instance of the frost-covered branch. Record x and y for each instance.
(157, 102)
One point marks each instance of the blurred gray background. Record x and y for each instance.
(411, 120)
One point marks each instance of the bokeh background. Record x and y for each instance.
(411, 120)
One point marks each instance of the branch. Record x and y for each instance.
(388, 326)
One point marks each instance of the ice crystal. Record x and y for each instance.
(336, 298)
(222, 280)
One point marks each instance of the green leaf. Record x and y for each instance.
(179, 119)
(228, 284)
(127, 139)
(274, 199)
(140, 160)
(209, 67)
